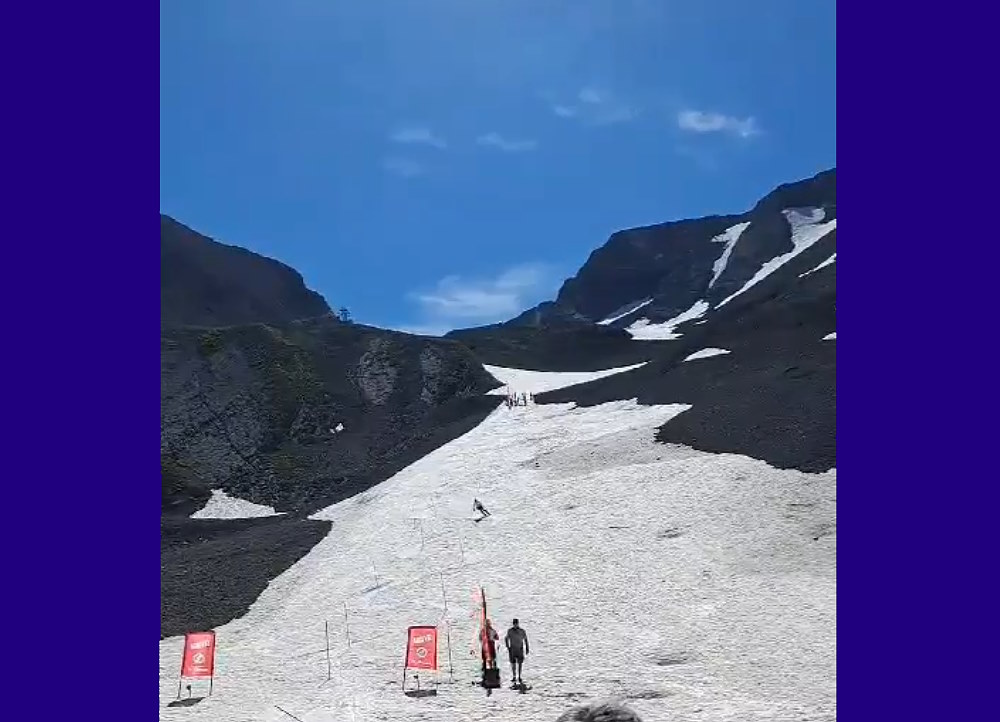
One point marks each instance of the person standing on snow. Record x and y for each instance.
(488, 639)
(517, 649)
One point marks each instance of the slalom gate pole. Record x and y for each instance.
(326, 627)
(347, 626)
(451, 667)
(406, 658)
(180, 677)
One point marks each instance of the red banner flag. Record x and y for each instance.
(421, 648)
(199, 655)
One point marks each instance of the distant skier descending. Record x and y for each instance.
(516, 641)
(478, 506)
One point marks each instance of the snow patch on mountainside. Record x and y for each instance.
(707, 353)
(824, 264)
(729, 237)
(223, 506)
(536, 382)
(644, 330)
(632, 308)
(807, 229)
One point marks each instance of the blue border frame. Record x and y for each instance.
(914, 406)
(80, 295)
(80, 298)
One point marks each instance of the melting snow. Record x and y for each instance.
(709, 580)
(632, 308)
(807, 229)
(830, 336)
(707, 353)
(643, 329)
(729, 237)
(223, 506)
(536, 382)
(824, 264)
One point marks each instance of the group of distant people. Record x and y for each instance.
(521, 399)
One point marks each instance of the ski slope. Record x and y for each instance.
(694, 586)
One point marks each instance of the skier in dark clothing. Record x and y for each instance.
(517, 649)
(478, 506)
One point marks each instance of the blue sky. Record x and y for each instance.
(433, 164)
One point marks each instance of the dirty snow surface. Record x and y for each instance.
(536, 382)
(223, 506)
(693, 586)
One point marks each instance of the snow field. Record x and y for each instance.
(223, 506)
(536, 382)
(695, 586)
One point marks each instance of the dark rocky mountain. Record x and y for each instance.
(268, 397)
(663, 270)
(556, 347)
(207, 283)
(773, 395)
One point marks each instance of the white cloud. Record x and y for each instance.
(418, 135)
(698, 121)
(457, 301)
(507, 145)
(403, 167)
(596, 107)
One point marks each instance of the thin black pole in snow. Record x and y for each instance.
(326, 627)
(347, 626)
(451, 667)
(180, 678)
(288, 713)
